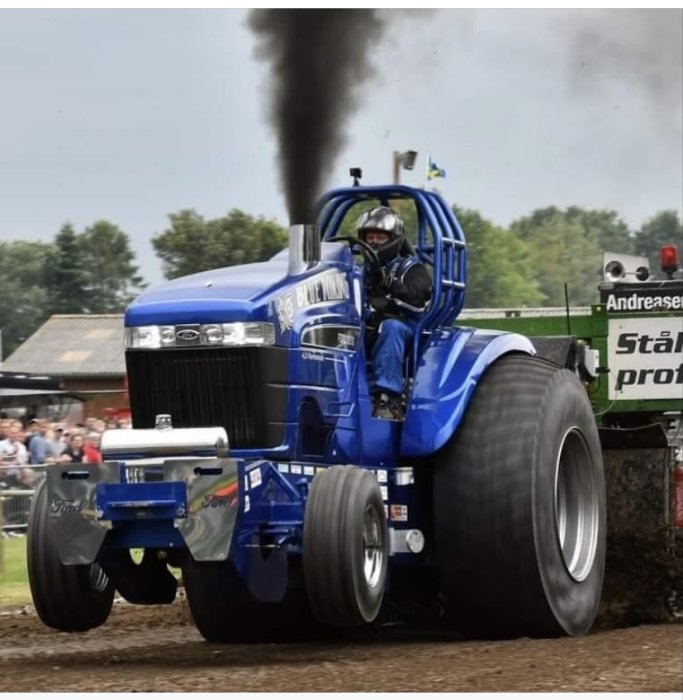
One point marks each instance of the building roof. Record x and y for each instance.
(17, 389)
(73, 346)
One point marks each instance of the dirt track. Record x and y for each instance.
(158, 649)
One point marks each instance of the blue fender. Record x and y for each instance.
(451, 365)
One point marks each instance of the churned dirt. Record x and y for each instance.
(157, 648)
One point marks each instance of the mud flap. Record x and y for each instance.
(72, 508)
(207, 526)
(212, 505)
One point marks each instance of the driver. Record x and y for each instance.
(398, 293)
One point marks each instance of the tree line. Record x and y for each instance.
(527, 263)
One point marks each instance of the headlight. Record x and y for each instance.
(207, 334)
(143, 337)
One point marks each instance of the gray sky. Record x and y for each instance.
(131, 115)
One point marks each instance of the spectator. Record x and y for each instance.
(62, 437)
(13, 456)
(36, 442)
(12, 449)
(91, 449)
(73, 452)
(54, 446)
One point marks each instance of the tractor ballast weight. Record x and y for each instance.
(256, 466)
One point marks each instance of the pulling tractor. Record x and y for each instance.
(256, 467)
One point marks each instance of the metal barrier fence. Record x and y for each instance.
(17, 486)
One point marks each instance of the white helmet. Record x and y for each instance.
(383, 220)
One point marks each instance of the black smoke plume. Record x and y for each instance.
(319, 59)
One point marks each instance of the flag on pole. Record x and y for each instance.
(433, 170)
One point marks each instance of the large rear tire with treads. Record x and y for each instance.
(519, 506)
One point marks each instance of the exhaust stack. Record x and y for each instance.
(304, 247)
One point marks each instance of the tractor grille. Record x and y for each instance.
(240, 389)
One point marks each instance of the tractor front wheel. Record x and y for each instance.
(345, 547)
(67, 598)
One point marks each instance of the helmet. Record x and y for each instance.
(384, 220)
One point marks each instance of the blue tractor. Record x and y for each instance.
(256, 467)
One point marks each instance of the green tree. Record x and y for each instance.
(91, 272)
(65, 275)
(567, 247)
(23, 296)
(613, 233)
(110, 277)
(499, 270)
(192, 244)
(237, 238)
(181, 247)
(664, 228)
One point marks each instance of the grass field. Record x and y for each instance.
(14, 588)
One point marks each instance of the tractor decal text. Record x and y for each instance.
(217, 501)
(65, 505)
(323, 288)
(330, 287)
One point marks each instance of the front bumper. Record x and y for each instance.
(194, 505)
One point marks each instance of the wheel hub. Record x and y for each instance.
(576, 505)
(373, 546)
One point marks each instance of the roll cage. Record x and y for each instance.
(440, 245)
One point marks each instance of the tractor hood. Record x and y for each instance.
(243, 292)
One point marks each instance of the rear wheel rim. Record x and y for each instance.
(373, 546)
(577, 509)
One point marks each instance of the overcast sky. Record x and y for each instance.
(130, 115)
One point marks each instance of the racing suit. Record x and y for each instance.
(398, 296)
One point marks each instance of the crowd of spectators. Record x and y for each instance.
(29, 447)
(43, 442)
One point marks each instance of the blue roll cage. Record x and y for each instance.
(446, 252)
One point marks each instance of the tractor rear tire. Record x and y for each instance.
(519, 506)
(224, 612)
(67, 598)
(346, 547)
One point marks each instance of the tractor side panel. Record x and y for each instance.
(446, 377)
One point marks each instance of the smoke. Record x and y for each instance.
(319, 59)
(641, 50)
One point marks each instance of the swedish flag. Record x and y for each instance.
(433, 170)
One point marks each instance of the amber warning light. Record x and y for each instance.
(668, 257)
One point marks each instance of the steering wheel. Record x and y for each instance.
(368, 251)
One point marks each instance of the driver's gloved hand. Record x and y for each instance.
(379, 303)
(379, 278)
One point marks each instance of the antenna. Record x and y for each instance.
(566, 307)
